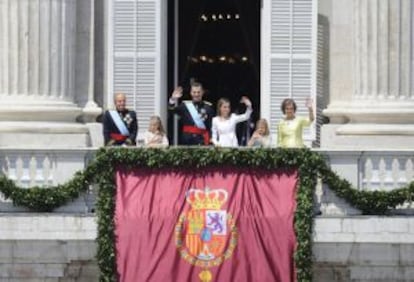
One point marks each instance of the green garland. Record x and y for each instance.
(101, 171)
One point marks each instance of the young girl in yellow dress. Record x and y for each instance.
(290, 129)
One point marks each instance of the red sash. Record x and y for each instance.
(195, 130)
(118, 137)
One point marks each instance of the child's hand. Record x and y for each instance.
(256, 135)
(156, 139)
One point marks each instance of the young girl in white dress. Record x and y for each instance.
(155, 136)
(223, 127)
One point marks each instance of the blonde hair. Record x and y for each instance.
(160, 126)
(263, 122)
(220, 103)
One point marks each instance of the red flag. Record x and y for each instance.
(221, 224)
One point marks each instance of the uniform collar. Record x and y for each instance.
(123, 112)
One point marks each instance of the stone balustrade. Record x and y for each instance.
(45, 167)
(365, 170)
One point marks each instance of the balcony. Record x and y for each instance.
(365, 170)
(347, 245)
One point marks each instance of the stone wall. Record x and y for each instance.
(358, 262)
(47, 248)
(364, 248)
(61, 248)
(48, 260)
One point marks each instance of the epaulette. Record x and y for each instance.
(208, 103)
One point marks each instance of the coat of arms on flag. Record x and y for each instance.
(224, 225)
(206, 234)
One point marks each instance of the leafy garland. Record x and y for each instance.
(101, 171)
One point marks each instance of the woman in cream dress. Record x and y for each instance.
(290, 129)
(224, 124)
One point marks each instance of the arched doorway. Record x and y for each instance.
(216, 42)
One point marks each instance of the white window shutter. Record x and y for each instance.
(322, 84)
(289, 37)
(138, 56)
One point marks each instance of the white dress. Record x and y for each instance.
(223, 131)
(155, 140)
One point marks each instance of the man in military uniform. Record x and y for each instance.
(195, 115)
(120, 126)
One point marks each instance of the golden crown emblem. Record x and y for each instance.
(206, 199)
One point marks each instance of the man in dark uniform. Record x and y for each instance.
(120, 126)
(195, 115)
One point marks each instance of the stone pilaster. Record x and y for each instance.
(380, 109)
(37, 77)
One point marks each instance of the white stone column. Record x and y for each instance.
(37, 72)
(380, 110)
(91, 109)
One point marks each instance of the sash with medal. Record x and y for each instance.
(119, 123)
(200, 127)
(198, 121)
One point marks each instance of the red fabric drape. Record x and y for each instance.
(245, 215)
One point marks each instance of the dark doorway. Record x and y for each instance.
(216, 42)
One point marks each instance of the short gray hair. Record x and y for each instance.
(119, 94)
